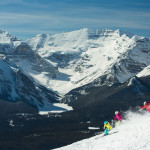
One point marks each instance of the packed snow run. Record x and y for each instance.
(132, 134)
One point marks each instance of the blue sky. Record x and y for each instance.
(26, 18)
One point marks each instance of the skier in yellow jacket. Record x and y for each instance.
(107, 127)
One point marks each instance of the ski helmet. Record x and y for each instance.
(145, 103)
(105, 122)
(116, 112)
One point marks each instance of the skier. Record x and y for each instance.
(108, 127)
(146, 105)
(118, 117)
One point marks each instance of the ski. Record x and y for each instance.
(106, 135)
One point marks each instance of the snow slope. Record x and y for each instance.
(133, 134)
(144, 72)
(84, 55)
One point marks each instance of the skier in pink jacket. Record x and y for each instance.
(118, 116)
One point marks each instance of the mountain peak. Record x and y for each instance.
(8, 39)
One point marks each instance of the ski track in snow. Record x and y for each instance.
(134, 134)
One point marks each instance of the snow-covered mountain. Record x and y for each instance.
(8, 39)
(132, 134)
(75, 61)
(22, 55)
(86, 56)
(16, 85)
(7, 42)
(19, 66)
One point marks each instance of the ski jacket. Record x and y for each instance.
(147, 106)
(108, 126)
(119, 117)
